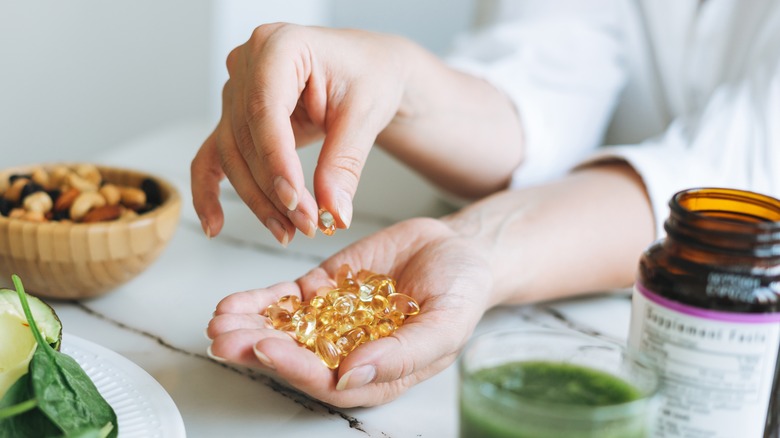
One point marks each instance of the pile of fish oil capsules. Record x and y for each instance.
(359, 308)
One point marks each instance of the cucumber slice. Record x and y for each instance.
(17, 343)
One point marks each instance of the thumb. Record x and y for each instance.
(416, 349)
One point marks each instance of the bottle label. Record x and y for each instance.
(717, 367)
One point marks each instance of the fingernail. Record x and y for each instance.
(206, 334)
(357, 377)
(204, 224)
(278, 231)
(210, 354)
(302, 222)
(286, 193)
(265, 360)
(345, 209)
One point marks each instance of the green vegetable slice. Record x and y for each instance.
(62, 391)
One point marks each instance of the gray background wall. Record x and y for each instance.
(80, 76)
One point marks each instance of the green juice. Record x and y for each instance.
(541, 399)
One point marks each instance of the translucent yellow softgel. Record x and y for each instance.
(360, 307)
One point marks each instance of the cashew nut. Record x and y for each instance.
(41, 177)
(38, 201)
(133, 197)
(90, 173)
(84, 185)
(57, 175)
(85, 202)
(112, 194)
(14, 193)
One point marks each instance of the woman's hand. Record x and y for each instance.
(444, 273)
(289, 86)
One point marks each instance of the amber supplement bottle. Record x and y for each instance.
(706, 310)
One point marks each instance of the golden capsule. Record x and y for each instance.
(334, 294)
(301, 313)
(355, 308)
(331, 332)
(318, 302)
(322, 291)
(385, 327)
(327, 316)
(344, 276)
(380, 306)
(382, 285)
(397, 317)
(280, 318)
(309, 344)
(404, 304)
(362, 317)
(305, 328)
(327, 222)
(363, 275)
(327, 352)
(345, 324)
(345, 304)
(372, 332)
(366, 292)
(290, 303)
(350, 340)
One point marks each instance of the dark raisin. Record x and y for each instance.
(145, 208)
(5, 206)
(60, 215)
(29, 189)
(152, 190)
(54, 194)
(16, 176)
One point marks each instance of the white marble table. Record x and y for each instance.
(158, 319)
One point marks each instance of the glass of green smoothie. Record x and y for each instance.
(540, 383)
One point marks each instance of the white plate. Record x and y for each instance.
(143, 408)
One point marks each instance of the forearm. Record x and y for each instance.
(583, 233)
(455, 129)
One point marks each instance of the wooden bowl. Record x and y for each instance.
(66, 260)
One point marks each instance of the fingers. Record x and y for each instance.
(298, 366)
(237, 346)
(264, 136)
(348, 141)
(229, 322)
(255, 301)
(267, 93)
(236, 168)
(205, 175)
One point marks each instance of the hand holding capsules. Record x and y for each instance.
(427, 259)
(457, 267)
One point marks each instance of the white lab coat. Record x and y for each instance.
(686, 91)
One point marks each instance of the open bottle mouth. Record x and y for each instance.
(740, 221)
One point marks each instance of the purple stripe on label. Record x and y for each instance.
(749, 318)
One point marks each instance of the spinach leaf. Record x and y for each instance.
(65, 394)
(17, 422)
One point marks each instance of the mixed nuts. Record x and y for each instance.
(76, 193)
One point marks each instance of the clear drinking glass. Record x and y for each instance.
(552, 383)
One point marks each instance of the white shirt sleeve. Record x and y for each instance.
(560, 62)
(734, 142)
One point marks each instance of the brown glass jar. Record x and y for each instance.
(706, 310)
